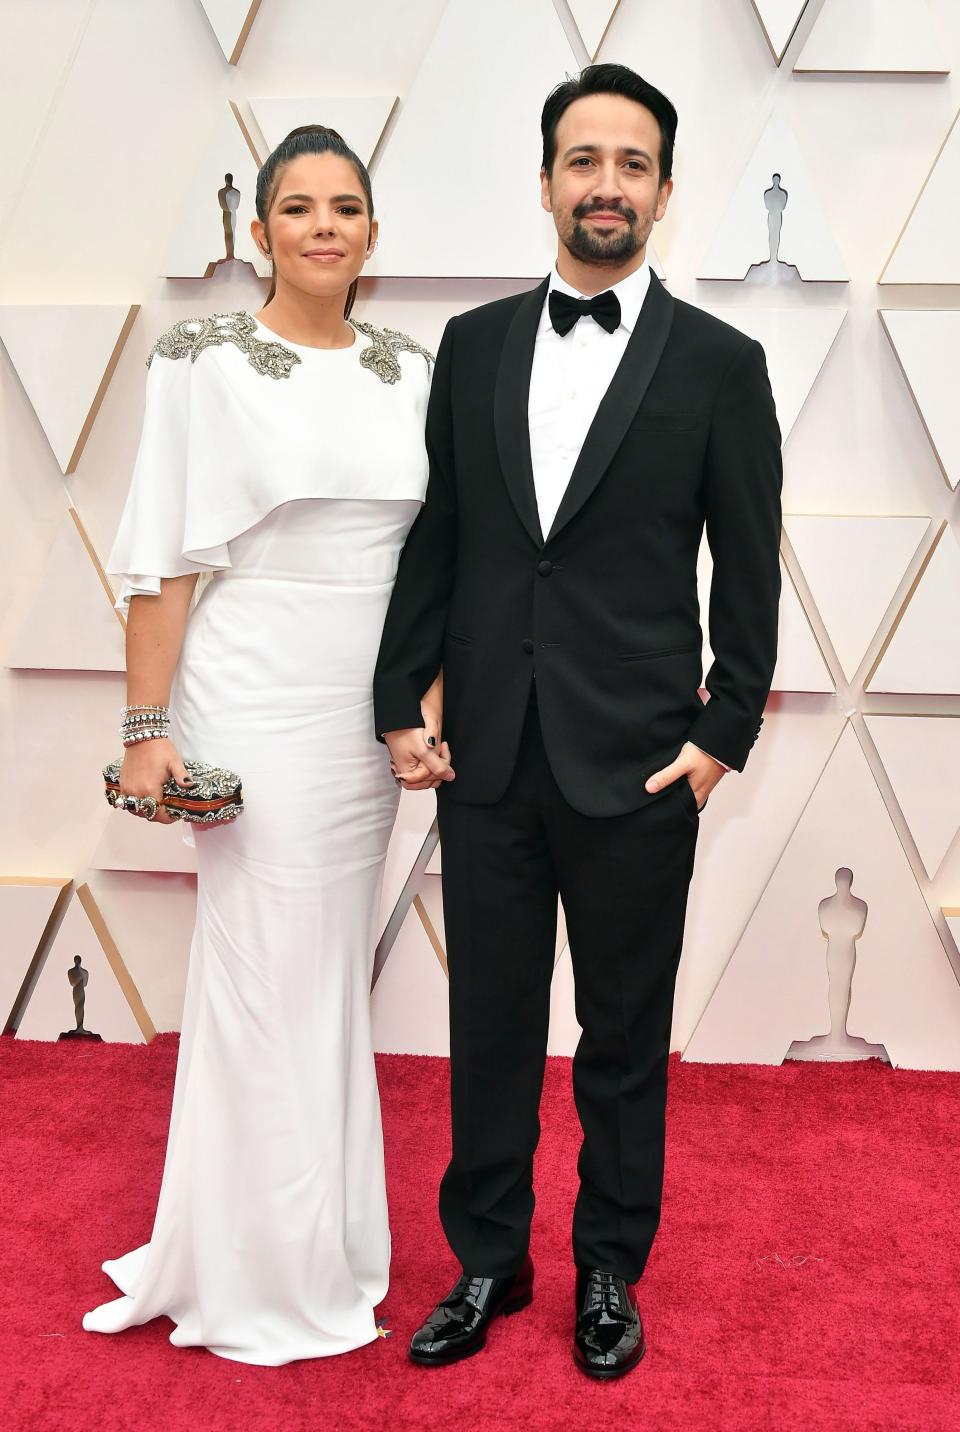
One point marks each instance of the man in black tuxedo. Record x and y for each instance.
(580, 437)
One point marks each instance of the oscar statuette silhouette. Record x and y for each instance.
(843, 918)
(79, 979)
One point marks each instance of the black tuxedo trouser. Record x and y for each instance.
(623, 881)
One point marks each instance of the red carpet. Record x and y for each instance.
(807, 1273)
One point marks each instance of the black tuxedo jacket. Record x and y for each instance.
(602, 610)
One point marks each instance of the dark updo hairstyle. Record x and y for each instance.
(610, 79)
(308, 139)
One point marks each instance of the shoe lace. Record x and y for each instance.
(465, 1287)
(604, 1292)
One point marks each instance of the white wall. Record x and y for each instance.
(105, 107)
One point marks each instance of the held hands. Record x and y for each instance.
(146, 767)
(419, 760)
(694, 765)
(416, 764)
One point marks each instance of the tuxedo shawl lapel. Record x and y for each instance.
(620, 402)
(510, 401)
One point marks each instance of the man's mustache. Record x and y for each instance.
(597, 207)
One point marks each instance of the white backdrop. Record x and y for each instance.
(116, 116)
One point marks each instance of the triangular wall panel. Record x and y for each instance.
(796, 342)
(71, 624)
(592, 18)
(112, 1005)
(921, 756)
(564, 1032)
(65, 355)
(927, 342)
(199, 243)
(483, 64)
(128, 842)
(27, 905)
(923, 654)
(359, 119)
(800, 662)
(801, 665)
(409, 1004)
(230, 21)
(429, 910)
(927, 250)
(778, 20)
(414, 823)
(743, 239)
(874, 36)
(853, 566)
(774, 990)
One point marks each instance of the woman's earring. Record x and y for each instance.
(373, 248)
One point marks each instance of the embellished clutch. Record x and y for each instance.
(215, 798)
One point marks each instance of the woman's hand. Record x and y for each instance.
(418, 757)
(145, 768)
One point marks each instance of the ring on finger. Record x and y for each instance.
(147, 806)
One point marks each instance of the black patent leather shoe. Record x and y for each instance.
(457, 1327)
(609, 1336)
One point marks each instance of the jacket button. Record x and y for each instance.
(527, 645)
(545, 568)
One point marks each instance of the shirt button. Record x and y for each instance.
(527, 646)
(545, 568)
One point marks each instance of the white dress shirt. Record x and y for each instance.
(569, 377)
(567, 382)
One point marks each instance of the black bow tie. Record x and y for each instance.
(566, 311)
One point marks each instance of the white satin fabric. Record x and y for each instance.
(271, 1240)
(223, 445)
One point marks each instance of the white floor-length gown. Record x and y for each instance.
(294, 474)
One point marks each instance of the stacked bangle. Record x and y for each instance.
(144, 723)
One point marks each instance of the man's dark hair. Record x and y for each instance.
(609, 79)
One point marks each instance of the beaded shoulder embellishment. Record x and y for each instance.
(189, 337)
(385, 344)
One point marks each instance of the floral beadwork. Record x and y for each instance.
(385, 344)
(191, 336)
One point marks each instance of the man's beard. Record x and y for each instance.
(613, 248)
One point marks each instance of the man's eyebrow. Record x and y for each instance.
(595, 148)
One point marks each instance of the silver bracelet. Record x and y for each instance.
(144, 722)
(132, 738)
(132, 722)
(131, 715)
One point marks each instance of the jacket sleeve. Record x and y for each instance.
(411, 649)
(743, 481)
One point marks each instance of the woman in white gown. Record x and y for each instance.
(285, 454)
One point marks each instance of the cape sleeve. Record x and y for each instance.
(150, 541)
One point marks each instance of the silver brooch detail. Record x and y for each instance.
(191, 336)
(385, 344)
